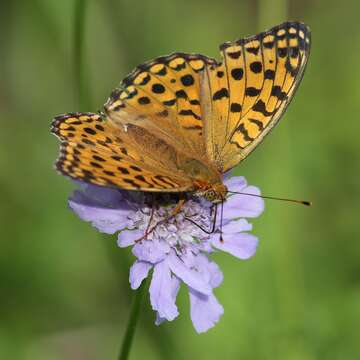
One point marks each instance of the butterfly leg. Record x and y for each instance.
(177, 208)
(174, 212)
(212, 230)
(150, 220)
(148, 230)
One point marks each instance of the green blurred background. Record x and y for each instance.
(64, 288)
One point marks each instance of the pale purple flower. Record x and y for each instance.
(177, 251)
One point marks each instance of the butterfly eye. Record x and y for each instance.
(210, 195)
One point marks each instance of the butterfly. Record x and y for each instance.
(179, 122)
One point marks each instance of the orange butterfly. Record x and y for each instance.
(179, 122)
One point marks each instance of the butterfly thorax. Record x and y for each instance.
(215, 193)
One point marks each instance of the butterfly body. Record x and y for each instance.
(215, 193)
(179, 122)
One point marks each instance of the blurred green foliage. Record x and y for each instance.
(64, 287)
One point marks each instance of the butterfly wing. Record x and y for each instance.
(163, 97)
(186, 117)
(99, 152)
(244, 97)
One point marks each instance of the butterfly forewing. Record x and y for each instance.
(167, 91)
(262, 73)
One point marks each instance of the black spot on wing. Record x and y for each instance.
(163, 113)
(268, 44)
(189, 112)
(282, 51)
(235, 107)
(294, 52)
(234, 54)
(99, 127)
(169, 102)
(261, 108)
(194, 102)
(90, 131)
(144, 100)
(253, 50)
(123, 170)
(221, 94)
(88, 142)
(187, 80)
(256, 67)
(181, 94)
(179, 67)
(244, 132)
(98, 158)
(135, 168)
(95, 164)
(251, 91)
(237, 73)
(162, 72)
(145, 80)
(269, 74)
(158, 88)
(276, 91)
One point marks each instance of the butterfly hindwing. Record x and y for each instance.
(98, 152)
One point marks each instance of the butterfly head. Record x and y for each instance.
(215, 193)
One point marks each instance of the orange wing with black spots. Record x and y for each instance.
(250, 90)
(99, 152)
(184, 119)
(163, 96)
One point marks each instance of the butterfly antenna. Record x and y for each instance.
(303, 202)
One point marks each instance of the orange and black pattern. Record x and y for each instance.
(251, 88)
(184, 119)
(95, 151)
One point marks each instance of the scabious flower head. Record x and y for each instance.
(175, 249)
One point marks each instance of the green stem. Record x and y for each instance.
(83, 98)
(133, 319)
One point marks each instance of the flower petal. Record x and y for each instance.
(237, 206)
(189, 276)
(159, 320)
(101, 196)
(205, 310)
(163, 291)
(235, 183)
(103, 207)
(209, 270)
(152, 250)
(128, 237)
(138, 272)
(236, 226)
(242, 245)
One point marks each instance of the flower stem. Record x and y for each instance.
(133, 319)
(83, 98)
